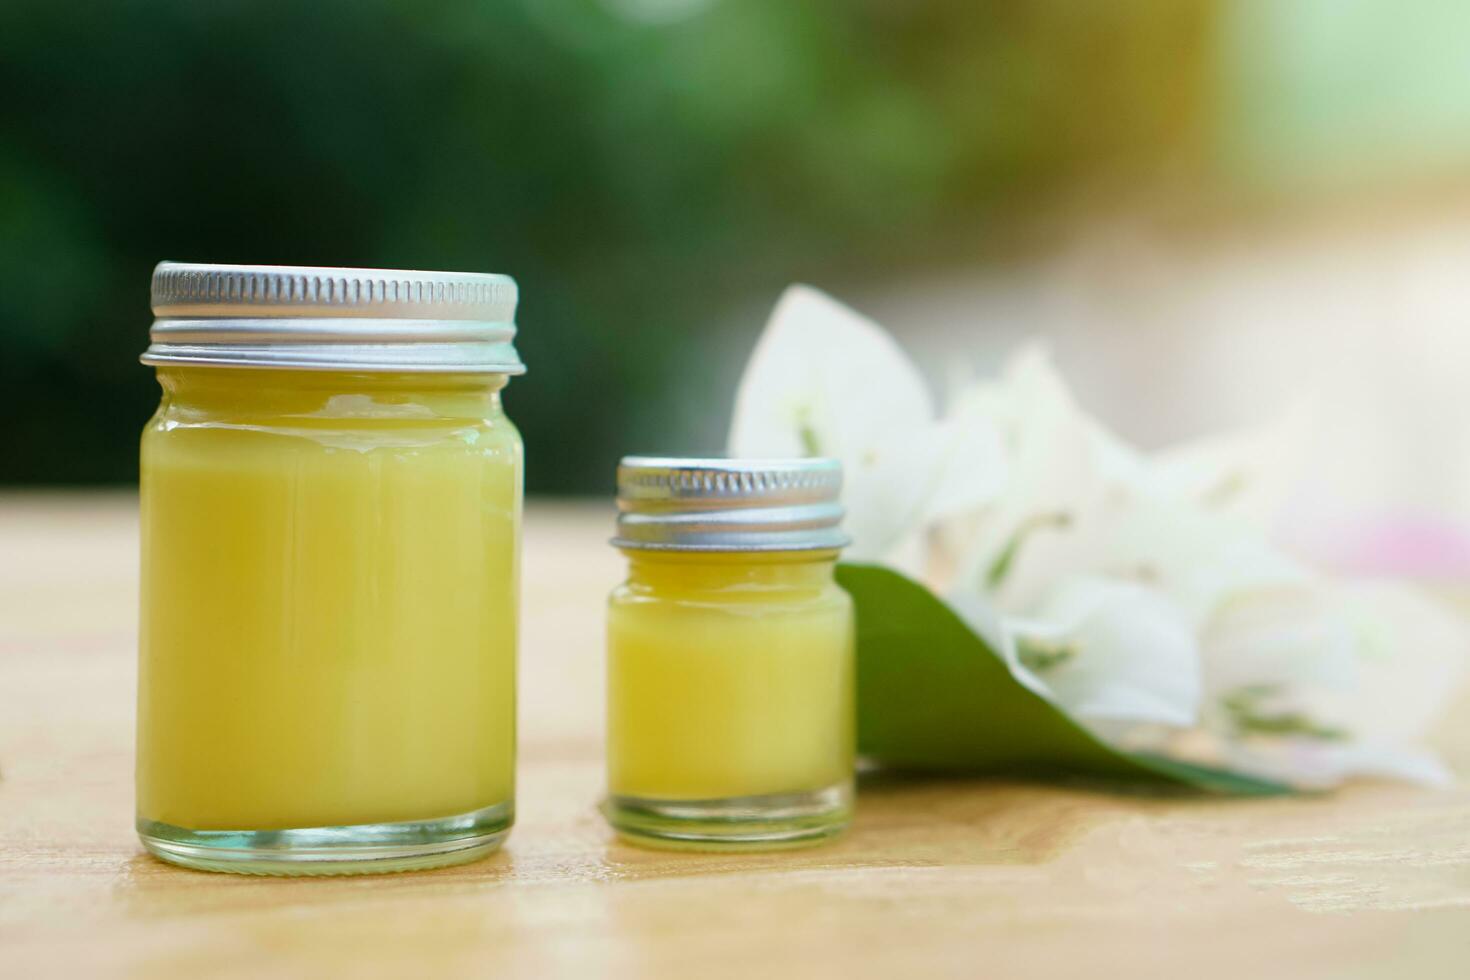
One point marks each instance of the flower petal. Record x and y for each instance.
(1244, 473)
(972, 466)
(824, 380)
(1318, 766)
(1410, 655)
(1112, 652)
(823, 372)
(1058, 475)
(1321, 682)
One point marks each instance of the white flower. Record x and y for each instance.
(1317, 683)
(1141, 593)
(825, 381)
(1079, 500)
(1061, 483)
(1195, 557)
(1110, 652)
(1245, 475)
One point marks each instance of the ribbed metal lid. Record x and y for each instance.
(673, 504)
(332, 319)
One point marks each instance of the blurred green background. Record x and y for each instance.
(653, 172)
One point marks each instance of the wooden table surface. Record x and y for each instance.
(948, 877)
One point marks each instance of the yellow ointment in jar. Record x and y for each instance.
(730, 671)
(331, 498)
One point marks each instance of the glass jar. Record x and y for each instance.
(730, 672)
(331, 498)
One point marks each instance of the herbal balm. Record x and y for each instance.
(730, 716)
(331, 501)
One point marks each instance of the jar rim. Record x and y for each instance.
(695, 504)
(332, 319)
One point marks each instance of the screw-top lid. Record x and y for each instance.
(333, 319)
(674, 504)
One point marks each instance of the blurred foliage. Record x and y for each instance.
(644, 168)
(1335, 96)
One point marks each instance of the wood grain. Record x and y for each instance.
(946, 877)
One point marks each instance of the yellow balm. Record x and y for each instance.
(729, 676)
(730, 655)
(329, 576)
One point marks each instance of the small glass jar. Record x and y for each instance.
(730, 672)
(331, 500)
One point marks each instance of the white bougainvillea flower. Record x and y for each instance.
(1062, 482)
(1195, 556)
(1411, 656)
(1318, 683)
(1080, 501)
(1309, 765)
(824, 380)
(1142, 593)
(1115, 656)
(1301, 763)
(1246, 475)
(1110, 652)
(1272, 655)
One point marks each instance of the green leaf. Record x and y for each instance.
(933, 695)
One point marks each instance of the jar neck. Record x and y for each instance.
(715, 571)
(330, 394)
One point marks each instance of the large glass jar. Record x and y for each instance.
(730, 672)
(331, 501)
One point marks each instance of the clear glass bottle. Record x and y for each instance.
(730, 672)
(331, 499)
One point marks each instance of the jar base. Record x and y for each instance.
(744, 823)
(411, 845)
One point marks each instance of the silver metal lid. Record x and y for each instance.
(672, 504)
(329, 319)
